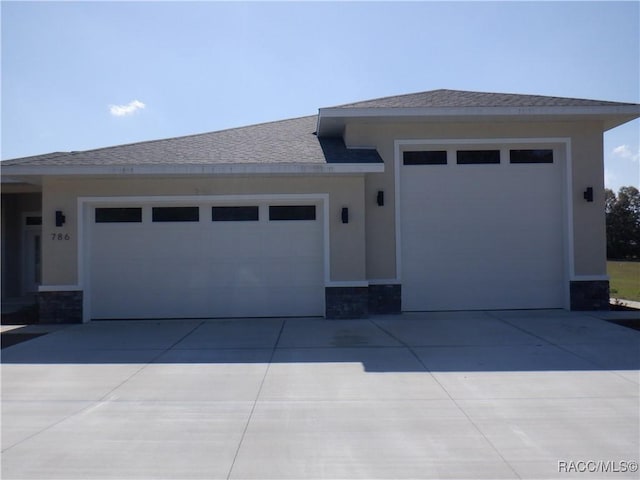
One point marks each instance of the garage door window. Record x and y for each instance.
(292, 212)
(478, 157)
(235, 214)
(531, 156)
(176, 214)
(118, 215)
(425, 158)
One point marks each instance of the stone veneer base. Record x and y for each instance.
(385, 299)
(341, 302)
(359, 302)
(60, 307)
(589, 295)
(346, 302)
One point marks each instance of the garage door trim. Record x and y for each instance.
(85, 205)
(564, 142)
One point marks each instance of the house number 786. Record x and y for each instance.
(60, 236)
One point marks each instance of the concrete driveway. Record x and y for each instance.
(488, 395)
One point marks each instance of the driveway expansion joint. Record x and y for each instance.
(255, 402)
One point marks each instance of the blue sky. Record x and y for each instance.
(77, 76)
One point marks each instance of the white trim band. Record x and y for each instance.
(521, 111)
(172, 170)
(59, 288)
(347, 284)
(589, 278)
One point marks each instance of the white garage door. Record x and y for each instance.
(206, 261)
(482, 229)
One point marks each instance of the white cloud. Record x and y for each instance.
(128, 109)
(624, 151)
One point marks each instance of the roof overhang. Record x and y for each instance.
(11, 185)
(331, 121)
(30, 173)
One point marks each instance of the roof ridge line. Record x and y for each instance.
(364, 103)
(393, 96)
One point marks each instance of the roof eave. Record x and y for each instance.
(331, 121)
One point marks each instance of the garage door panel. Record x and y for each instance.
(207, 269)
(223, 274)
(493, 299)
(122, 241)
(306, 274)
(300, 297)
(261, 301)
(298, 242)
(482, 236)
(225, 237)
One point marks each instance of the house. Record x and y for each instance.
(441, 200)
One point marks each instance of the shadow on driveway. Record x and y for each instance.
(552, 340)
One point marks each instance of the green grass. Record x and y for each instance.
(624, 280)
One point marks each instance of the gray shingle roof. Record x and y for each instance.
(35, 159)
(290, 141)
(459, 98)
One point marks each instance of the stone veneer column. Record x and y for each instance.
(359, 302)
(60, 306)
(589, 295)
(385, 299)
(346, 302)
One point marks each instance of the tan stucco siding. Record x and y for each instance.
(347, 252)
(589, 243)
(59, 252)
(365, 248)
(589, 224)
(380, 230)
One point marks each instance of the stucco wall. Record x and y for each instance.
(365, 248)
(347, 262)
(589, 242)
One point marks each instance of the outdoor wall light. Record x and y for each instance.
(60, 218)
(380, 198)
(345, 215)
(588, 194)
